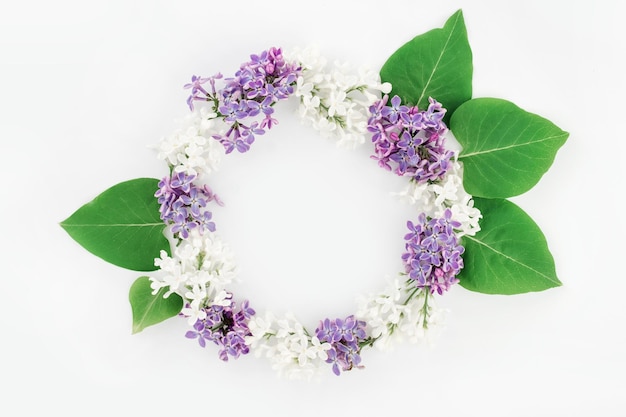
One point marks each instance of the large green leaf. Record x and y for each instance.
(506, 150)
(509, 255)
(436, 64)
(151, 309)
(122, 225)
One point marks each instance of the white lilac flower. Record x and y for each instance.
(199, 270)
(191, 148)
(401, 311)
(261, 328)
(284, 341)
(194, 312)
(222, 298)
(450, 193)
(202, 264)
(419, 195)
(333, 100)
(196, 296)
(314, 349)
(434, 198)
(422, 321)
(383, 310)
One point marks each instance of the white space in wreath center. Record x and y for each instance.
(312, 225)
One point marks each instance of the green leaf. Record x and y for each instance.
(122, 225)
(436, 64)
(509, 255)
(151, 309)
(506, 150)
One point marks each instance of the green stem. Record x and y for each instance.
(200, 260)
(369, 342)
(415, 290)
(425, 310)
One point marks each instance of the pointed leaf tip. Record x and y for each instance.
(151, 309)
(122, 225)
(506, 150)
(435, 64)
(509, 255)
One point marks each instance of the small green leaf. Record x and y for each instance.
(509, 255)
(506, 150)
(151, 309)
(436, 64)
(122, 225)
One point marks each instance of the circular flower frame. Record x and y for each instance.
(503, 152)
(341, 104)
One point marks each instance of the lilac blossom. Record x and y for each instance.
(198, 93)
(410, 140)
(226, 326)
(183, 204)
(251, 94)
(433, 258)
(345, 337)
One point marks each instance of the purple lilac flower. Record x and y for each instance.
(410, 140)
(433, 258)
(198, 92)
(199, 332)
(196, 85)
(183, 204)
(345, 337)
(253, 91)
(227, 327)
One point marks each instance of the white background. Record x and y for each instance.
(85, 87)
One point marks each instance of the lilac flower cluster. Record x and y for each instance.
(252, 92)
(183, 204)
(410, 139)
(226, 326)
(433, 258)
(345, 337)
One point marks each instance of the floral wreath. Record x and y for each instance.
(465, 230)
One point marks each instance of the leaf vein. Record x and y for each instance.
(443, 51)
(516, 145)
(114, 225)
(511, 259)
